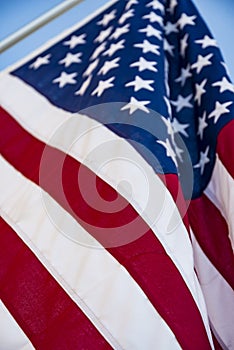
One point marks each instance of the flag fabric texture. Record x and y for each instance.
(117, 186)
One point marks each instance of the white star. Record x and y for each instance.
(134, 105)
(70, 58)
(206, 41)
(202, 125)
(103, 35)
(108, 65)
(178, 127)
(102, 86)
(182, 102)
(130, 3)
(203, 160)
(186, 20)
(144, 64)
(114, 47)
(168, 124)
(183, 45)
(91, 68)
(224, 85)
(107, 18)
(153, 17)
(65, 79)
(178, 151)
(97, 51)
(84, 86)
(169, 150)
(146, 46)
(171, 132)
(220, 108)
(170, 28)
(151, 31)
(185, 73)
(120, 31)
(168, 47)
(202, 62)
(139, 84)
(40, 61)
(172, 6)
(200, 91)
(156, 5)
(125, 16)
(75, 40)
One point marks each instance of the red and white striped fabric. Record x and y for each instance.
(122, 291)
(60, 288)
(211, 219)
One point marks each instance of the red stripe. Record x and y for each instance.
(211, 231)
(47, 315)
(225, 147)
(145, 258)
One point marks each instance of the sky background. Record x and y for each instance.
(14, 14)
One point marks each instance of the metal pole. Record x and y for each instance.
(37, 23)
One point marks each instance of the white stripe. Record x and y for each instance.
(81, 137)
(219, 296)
(100, 286)
(221, 192)
(12, 336)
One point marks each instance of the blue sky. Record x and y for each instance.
(17, 13)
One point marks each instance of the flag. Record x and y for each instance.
(117, 185)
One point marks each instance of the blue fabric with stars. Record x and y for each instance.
(155, 76)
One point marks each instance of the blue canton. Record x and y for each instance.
(158, 65)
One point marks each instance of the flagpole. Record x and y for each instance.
(37, 23)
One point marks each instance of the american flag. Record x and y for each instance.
(117, 186)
